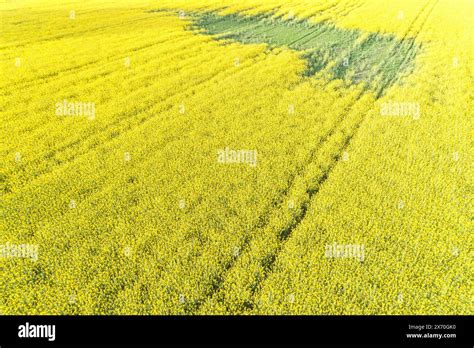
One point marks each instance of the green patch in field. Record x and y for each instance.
(375, 60)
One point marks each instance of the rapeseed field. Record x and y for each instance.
(236, 157)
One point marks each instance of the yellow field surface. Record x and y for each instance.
(118, 195)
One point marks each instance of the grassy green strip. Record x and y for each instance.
(377, 61)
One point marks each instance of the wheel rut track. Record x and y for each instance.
(285, 235)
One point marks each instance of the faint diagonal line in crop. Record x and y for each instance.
(125, 121)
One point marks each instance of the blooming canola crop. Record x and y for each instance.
(235, 157)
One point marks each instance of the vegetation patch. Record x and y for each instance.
(376, 60)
